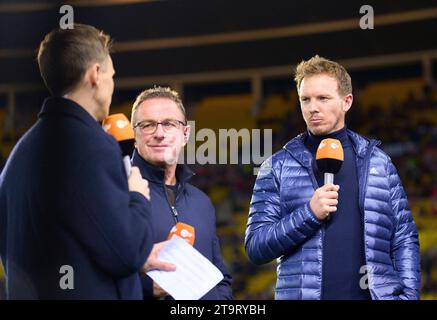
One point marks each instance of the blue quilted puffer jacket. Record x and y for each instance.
(282, 226)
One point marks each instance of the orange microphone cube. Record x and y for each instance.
(184, 231)
(329, 156)
(118, 126)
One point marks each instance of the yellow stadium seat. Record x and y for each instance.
(385, 93)
(421, 116)
(275, 107)
(225, 112)
(2, 272)
(428, 239)
(218, 194)
(262, 282)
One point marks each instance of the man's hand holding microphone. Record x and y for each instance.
(324, 201)
(329, 158)
(137, 183)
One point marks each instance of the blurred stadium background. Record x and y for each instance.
(232, 61)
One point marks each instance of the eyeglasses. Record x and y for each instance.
(168, 126)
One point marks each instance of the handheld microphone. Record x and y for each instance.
(329, 158)
(184, 231)
(118, 126)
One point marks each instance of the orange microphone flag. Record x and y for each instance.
(184, 231)
(118, 126)
(330, 149)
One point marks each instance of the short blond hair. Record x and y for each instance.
(319, 65)
(157, 92)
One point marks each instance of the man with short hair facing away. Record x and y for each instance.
(72, 226)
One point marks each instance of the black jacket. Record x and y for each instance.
(194, 208)
(64, 201)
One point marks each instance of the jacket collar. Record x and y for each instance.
(361, 144)
(156, 174)
(298, 150)
(67, 107)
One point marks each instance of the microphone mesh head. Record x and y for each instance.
(118, 126)
(329, 155)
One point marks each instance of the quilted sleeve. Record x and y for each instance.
(405, 243)
(271, 233)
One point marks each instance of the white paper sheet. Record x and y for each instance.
(195, 275)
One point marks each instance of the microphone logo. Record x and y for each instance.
(118, 126)
(332, 143)
(122, 123)
(330, 149)
(184, 231)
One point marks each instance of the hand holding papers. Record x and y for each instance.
(194, 276)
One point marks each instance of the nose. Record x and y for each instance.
(313, 106)
(159, 132)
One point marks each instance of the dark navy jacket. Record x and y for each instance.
(194, 208)
(64, 200)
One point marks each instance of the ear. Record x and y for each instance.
(92, 74)
(187, 132)
(135, 139)
(347, 102)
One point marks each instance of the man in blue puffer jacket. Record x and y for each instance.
(355, 240)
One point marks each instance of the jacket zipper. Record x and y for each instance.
(174, 211)
(322, 229)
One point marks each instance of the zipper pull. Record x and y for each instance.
(175, 213)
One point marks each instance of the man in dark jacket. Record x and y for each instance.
(72, 226)
(352, 240)
(161, 131)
